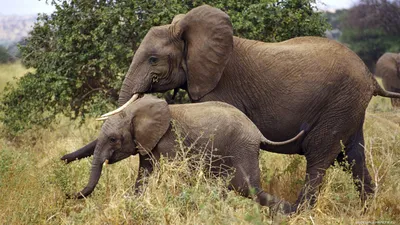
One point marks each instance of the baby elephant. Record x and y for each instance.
(149, 126)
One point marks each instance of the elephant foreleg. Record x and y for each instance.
(145, 169)
(83, 152)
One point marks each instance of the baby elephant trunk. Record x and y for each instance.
(95, 173)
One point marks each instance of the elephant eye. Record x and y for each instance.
(153, 60)
(112, 139)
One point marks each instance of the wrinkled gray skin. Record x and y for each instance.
(308, 81)
(145, 127)
(388, 68)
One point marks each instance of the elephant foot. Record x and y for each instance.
(284, 207)
(275, 204)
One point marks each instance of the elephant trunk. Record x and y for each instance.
(135, 82)
(97, 166)
(125, 93)
(83, 152)
(127, 89)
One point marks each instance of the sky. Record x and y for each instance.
(24, 7)
(32, 7)
(334, 4)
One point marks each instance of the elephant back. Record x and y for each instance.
(214, 120)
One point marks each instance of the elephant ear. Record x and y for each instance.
(150, 121)
(208, 35)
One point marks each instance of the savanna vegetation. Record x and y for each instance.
(78, 71)
(9, 73)
(34, 183)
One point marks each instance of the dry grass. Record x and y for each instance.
(9, 71)
(33, 184)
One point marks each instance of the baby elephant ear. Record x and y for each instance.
(151, 120)
(177, 18)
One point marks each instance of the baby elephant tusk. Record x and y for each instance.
(134, 97)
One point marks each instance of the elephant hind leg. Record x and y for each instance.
(321, 149)
(247, 182)
(255, 191)
(354, 155)
(315, 173)
(276, 204)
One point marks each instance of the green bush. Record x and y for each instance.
(82, 51)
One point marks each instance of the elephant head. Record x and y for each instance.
(136, 129)
(190, 53)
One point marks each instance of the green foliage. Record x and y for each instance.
(372, 28)
(82, 51)
(273, 21)
(4, 55)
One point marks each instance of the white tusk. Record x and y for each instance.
(134, 97)
(102, 118)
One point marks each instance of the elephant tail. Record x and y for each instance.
(266, 141)
(378, 90)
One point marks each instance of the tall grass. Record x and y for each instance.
(33, 184)
(10, 70)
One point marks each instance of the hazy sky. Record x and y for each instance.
(24, 7)
(334, 4)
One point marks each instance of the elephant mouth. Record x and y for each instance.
(117, 156)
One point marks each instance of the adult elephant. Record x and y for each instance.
(388, 68)
(303, 82)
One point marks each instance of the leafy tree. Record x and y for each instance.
(82, 51)
(4, 56)
(372, 28)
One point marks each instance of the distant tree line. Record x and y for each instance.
(10, 53)
(7, 55)
(370, 28)
(4, 56)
